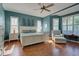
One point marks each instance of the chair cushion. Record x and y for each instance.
(56, 32)
(60, 38)
(58, 35)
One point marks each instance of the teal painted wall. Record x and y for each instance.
(28, 20)
(1, 15)
(24, 20)
(49, 21)
(60, 23)
(2, 22)
(46, 24)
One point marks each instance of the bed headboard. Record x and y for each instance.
(27, 28)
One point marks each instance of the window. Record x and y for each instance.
(76, 19)
(67, 25)
(1, 21)
(39, 26)
(55, 23)
(14, 24)
(76, 24)
(70, 24)
(64, 24)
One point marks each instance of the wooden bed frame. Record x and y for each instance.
(31, 38)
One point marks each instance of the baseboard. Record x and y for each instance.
(11, 40)
(73, 41)
(6, 41)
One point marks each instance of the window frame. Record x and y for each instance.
(73, 25)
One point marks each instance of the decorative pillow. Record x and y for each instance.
(32, 31)
(29, 31)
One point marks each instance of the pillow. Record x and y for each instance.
(32, 31)
(29, 31)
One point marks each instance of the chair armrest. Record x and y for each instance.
(62, 35)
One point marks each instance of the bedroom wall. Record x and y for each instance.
(46, 24)
(24, 20)
(49, 21)
(2, 24)
(28, 20)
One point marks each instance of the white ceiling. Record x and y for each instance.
(68, 11)
(29, 8)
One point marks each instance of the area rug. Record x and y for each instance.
(9, 51)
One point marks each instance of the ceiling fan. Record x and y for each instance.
(44, 7)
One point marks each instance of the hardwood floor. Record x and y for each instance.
(44, 49)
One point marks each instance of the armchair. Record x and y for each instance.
(58, 37)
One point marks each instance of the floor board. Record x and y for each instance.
(45, 49)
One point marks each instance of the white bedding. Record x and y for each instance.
(31, 34)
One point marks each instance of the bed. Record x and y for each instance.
(30, 38)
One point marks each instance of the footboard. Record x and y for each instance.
(32, 39)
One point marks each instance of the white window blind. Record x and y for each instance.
(14, 25)
(76, 24)
(55, 23)
(39, 26)
(72, 24)
(67, 25)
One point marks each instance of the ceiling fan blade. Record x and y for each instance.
(42, 10)
(47, 10)
(49, 5)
